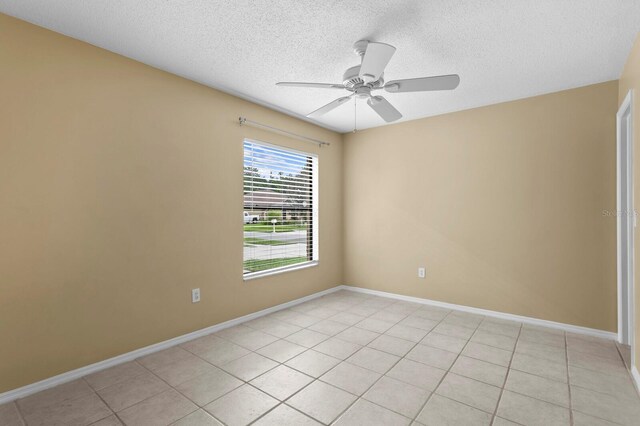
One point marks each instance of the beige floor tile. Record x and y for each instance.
(453, 330)
(233, 333)
(107, 421)
(463, 320)
(607, 407)
(392, 345)
(283, 415)
(540, 367)
(529, 411)
(403, 307)
(281, 382)
(602, 348)
(538, 350)
(347, 318)
(129, 392)
(397, 396)
(322, 401)
(208, 387)
(328, 327)
(253, 339)
(499, 421)
(432, 356)
(363, 310)
(357, 335)
(482, 371)
(468, 391)
(307, 338)
(441, 411)
(393, 317)
(183, 370)
(538, 387)
(249, 366)
(281, 350)
(241, 406)
(605, 383)
(495, 340)
(432, 313)
(599, 364)
(497, 328)
(543, 329)
(113, 375)
(162, 409)
(74, 412)
(164, 357)
(274, 327)
(313, 363)
(350, 378)
(545, 337)
(9, 415)
(302, 320)
(374, 360)
(215, 350)
(197, 418)
(322, 312)
(580, 419)
(375, 325)
(337, 348)
(442, 341)
(364, 413)
(419, 322)
(487, 353)
(407, 333)
(55, 395)
(417, 374)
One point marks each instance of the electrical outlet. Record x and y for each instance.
(422, 272)
(195, 295)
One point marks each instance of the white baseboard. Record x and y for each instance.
(635, 375)
(129, 356)
(527, 320)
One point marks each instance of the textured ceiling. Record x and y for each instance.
(502, 49)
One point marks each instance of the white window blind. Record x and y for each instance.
(280, 209)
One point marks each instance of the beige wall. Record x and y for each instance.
(120, 190)
(630, 80)
(502, 204)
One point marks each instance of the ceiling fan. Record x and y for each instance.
(367, 77)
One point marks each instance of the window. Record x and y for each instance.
(280, 209)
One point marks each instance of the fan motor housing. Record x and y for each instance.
(352, 80)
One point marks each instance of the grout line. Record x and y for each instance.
(22, 419)
(447, 371)
(506, 376)
(353, 301)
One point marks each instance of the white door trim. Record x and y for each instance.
(626, 220)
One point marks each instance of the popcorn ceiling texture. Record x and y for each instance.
(503, 50)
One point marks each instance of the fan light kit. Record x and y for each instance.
(367, 77)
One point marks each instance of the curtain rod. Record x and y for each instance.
(244, 121)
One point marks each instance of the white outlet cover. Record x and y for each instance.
(195, 295)
(422, 272)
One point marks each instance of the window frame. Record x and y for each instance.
(315, 193)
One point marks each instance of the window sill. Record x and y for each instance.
(275, 271)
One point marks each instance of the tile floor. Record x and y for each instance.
(354, 359)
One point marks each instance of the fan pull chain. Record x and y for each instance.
(355, 115)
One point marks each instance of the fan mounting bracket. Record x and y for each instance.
(360, 46)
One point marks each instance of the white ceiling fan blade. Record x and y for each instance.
(375, 59)
(328, 107)
(312, 85)
(442, 82)
(384, 109)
